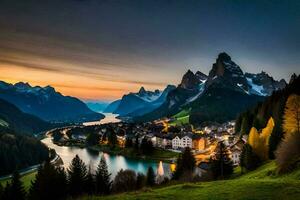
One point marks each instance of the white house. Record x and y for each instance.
(182, 142)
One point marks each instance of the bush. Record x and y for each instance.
(124, 181)
(288, 153)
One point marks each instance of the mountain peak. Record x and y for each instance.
(189, 80)
(142, 90)
(22, 85)
(224, 57)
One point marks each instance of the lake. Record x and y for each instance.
(114, 162)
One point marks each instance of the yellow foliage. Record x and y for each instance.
(260, 141)
(291, 117)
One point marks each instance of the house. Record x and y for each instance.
(199, 143)
(235, 155)
(182, 141)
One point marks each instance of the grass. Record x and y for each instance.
(181, 118)
(260, 184)
(26, 180)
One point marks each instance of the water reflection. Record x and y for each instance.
(115, 163)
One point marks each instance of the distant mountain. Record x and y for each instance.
(46, 103)
(97, 106)
(220, 96)
(135, 104)
(112, 107)
(13, 118)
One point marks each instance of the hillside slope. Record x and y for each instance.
(259, 184)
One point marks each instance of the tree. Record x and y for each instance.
(90, 182)
(50, 183)
(248, 160)
(77, 176)
(291, 118)
(92, 139)
(112, 139)
(150, 177)
(288, 153)
(128, 142)
(221, 164)
(1, 191)
(140, 181)
(260, 141)
(15, 190)
(147, 147)
(185, 164)
(103, 182)
(124, 181)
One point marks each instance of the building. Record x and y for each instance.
(182, 141)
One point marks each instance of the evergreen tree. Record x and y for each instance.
(1, 190)
(185, 163)
(103, 182)
(77, 176)
(112, 139)
(221, 164)
(124, 181)
(15, 190)
(128, 142)
(150, 177)
(140, 181)
(90, 183)
(147, 147)
(50, 183)
(248, 160)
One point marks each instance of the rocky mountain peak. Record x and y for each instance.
(293, 78)
(189, 80)
(223, 57)
(22, 85)
(142, 90)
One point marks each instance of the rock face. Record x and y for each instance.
(262, 84)
(219, 96)
(46, 103)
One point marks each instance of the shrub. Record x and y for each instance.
(288, 153)
(124, 181)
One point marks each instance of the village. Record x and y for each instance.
(202, 141)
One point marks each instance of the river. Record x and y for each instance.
(92, 158)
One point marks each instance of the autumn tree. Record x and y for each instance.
(291, 118)
(260, 141)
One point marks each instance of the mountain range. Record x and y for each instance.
(46, 103)
(137, 104)
(12, 118)
(218, 96)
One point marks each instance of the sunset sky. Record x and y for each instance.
(101, 49)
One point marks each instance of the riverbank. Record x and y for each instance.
(157, 155)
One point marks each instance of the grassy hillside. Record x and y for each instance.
(259, 184)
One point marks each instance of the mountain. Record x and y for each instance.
(13, 118)
(272, 106)
(46, 103)
(97, 106)
(112, 106)
(135, 104)
(220, 96)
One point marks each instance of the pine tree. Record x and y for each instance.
(185, 163)
(50, 183)
(150, 177)
(291, 122)
(103, 182)
(1, 190)
(15, 190)
(248, 160)
(90, 182)
(77, 176)
(221, 164)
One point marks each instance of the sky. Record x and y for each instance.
(102, 49)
